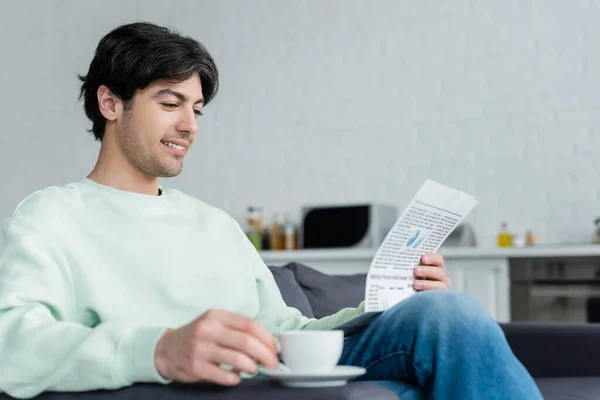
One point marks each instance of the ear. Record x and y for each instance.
(111, 106)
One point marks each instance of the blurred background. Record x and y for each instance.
(344, 102)
(325, 102)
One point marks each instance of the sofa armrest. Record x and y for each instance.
(556, 349)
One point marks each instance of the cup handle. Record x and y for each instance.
(277, 346)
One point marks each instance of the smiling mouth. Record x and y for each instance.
(175, 146)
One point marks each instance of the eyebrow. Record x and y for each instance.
(179, 95)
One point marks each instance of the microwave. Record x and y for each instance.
(362, 226)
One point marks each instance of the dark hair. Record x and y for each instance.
(132, 56)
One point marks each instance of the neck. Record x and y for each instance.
(114, 170)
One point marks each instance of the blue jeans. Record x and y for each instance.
(441, 345)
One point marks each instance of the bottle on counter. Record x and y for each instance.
(266, 239)
(529, 238)
(290, 235)
(254, 227)
(504, 237)
(277, 234)
(596, 236)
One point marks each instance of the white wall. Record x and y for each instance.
(340, 101)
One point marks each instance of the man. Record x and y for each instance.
(114, 279)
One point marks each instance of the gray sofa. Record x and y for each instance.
(564, 359)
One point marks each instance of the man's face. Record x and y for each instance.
(160, 125)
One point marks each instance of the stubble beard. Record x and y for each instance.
(148, 161)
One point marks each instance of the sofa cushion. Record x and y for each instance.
(248, 390)
(555, 349)
(326, 293)
(292, 293)
(585, 388)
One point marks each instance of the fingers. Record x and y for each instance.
(242, 323)
(433, 270)
(238, 361)
(420, 285)
(248, 344)
(433, 273)
(199, 350)
(213, 373)
(433, 259)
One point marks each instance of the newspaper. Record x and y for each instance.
(431, 216)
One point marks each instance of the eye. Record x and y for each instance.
(169, 105)
(198, 112)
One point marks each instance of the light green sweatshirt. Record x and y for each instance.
(91, 276)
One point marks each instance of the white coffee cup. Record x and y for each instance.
(311, 351)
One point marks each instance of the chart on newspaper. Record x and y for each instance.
(434, 212)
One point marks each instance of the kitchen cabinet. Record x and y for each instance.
(483, 272)
(487, 279)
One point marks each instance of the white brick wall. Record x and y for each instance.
(343, 101)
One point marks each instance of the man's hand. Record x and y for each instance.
(194, 352)
(432, 274)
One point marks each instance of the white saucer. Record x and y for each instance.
(337, 377)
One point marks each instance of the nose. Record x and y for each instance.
(187, 122)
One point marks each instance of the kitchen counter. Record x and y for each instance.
(483, 272)
(539, 251)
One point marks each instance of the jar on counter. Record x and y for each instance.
(290, 235)
(277, 234)
(505, 239)
(529, 238)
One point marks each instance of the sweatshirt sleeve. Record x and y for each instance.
(273, 312)
(43, 344)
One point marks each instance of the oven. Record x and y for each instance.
(556, 290)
